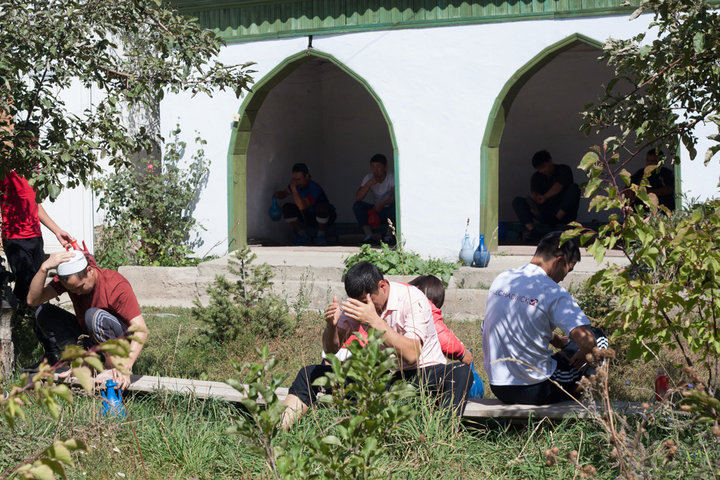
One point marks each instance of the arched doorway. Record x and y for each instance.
(540, 108)
(313, 109)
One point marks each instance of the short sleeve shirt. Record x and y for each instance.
(112, 293)
(313, 193)
(383, 190)
(408, 312)
(524, 306)
(661, 177)
(540, 183)
(19, 208)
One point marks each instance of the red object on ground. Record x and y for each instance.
(661, 385)
(373, 218)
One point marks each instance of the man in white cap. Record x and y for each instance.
(105, 308)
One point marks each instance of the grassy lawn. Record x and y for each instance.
(178, 437)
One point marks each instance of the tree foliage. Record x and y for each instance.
(669, 295)
(129, 52)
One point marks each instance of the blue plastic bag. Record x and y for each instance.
(478, 389)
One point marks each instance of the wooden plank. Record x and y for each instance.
(475, 409)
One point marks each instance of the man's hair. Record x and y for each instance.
(81, 274)
(362, 279)
(540, 158)
(549, 248)
(300, 167)
(432, 287)
(379, 158)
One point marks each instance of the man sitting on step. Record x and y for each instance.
(105, 308)
(524, 307)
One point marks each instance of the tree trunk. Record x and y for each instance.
(6, 346)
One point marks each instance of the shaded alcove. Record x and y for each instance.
(312, 111)
(540, 108)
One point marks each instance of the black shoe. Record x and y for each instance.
(531, 236)
(35, 367)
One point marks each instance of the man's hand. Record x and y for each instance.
(122, 380)
(293, 185)
(332, 313)
(362, 312)
(378, 208)
(467, 358)
(56, 259)
(64, 238)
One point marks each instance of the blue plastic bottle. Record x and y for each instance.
(275, 211)
(478, 388)
(112, 401)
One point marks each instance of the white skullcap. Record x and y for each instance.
(76, 264)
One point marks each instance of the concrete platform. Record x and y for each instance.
(310, 276)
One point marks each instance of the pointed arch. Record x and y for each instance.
(489, 152)
(240, 139)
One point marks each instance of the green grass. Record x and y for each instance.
(181, 437)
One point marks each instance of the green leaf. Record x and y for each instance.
(84, 376)
(60, 452)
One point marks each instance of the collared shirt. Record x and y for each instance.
(408, 313)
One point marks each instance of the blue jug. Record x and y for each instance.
(112, 401)
(275, 211)
(478, 389)
(481, 257)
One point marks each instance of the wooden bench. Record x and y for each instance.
(475, 409)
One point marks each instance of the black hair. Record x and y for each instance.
(540, 158)
(432, 287)
(549, 248)
(300, 167)
(81, 274)
(362, 279)
(379, 158)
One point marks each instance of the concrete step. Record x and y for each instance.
(308, 277)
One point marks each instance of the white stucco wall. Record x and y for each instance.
(438, 86)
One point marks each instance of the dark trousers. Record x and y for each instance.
(549, 391)
(61, 328)
(545, 213)
(309, 217)
(450, 383)
(25, 256)
(361, 209)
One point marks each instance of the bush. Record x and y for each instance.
(149, 208)
(244, 306)
(400, 262)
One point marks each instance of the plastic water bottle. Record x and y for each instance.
(112, 401)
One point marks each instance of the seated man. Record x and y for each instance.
(382, 186)
(104, 303)
(403, 313)
(524, 307)
(661, 181)
(554, 197)
(310, 206)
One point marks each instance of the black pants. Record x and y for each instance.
(545, 213)
(25, 256)
(61, 328)
(309, 217)
(451, 383)
(549, 391)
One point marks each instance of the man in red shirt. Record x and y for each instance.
(105, 308)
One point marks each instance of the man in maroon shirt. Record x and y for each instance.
(105, 308)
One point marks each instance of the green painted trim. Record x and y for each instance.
(240, 139)
(247, 21)
(490, 149)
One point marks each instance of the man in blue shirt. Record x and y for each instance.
(310, 206)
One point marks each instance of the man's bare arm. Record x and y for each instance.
(39, 293)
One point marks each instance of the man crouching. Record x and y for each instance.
(404, 316)
(105, 308)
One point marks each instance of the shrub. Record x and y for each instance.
(148, 209)
(245, 305)
(401, 262)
